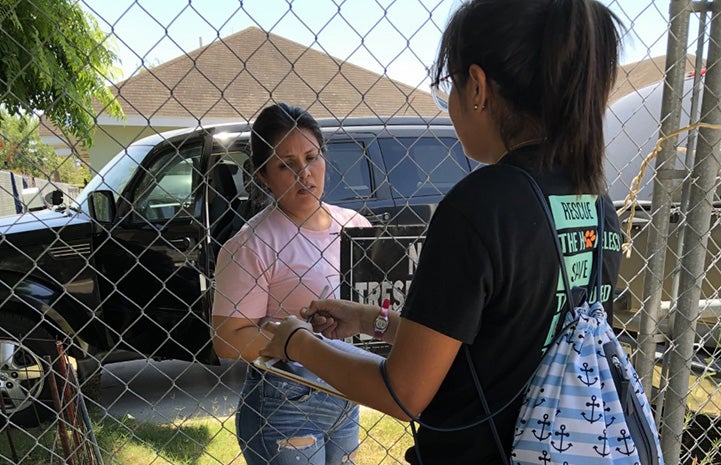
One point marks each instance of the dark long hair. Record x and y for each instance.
(273, 124)
(552, 62)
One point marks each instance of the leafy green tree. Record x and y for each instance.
(22, 151)
(54, 59)
(20, 148)
(66, 170)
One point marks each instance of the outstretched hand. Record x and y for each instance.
(335, 319)
(282, 331)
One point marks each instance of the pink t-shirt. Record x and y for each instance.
(272, 268)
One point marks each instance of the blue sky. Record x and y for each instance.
(395, 37)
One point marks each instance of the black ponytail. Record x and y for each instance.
(579, 56)
(552, 63)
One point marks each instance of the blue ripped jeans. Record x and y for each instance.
(280, 422)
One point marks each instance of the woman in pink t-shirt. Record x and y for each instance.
(282, 259)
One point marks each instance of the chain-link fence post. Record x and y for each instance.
(679, 12)
(703, 9)
(696, 235)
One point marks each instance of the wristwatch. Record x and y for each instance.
(381, 322)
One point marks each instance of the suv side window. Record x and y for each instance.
(169, 185)
(348, 174)
(423, 166)
(236, 157)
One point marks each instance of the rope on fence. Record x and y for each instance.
(630, 201)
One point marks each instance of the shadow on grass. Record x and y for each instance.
(126, 441)
(178, 444)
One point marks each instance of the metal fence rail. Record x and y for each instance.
(125, 269)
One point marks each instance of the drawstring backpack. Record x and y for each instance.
(584, 404)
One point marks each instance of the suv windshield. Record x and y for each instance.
(116, 173)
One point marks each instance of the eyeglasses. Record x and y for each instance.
(441, 89)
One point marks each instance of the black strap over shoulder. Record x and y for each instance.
(598, 252)
(570, 301)
(488, 415)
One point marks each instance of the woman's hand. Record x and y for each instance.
(338, 319)
(283, 333)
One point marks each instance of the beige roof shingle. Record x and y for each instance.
(238, 75)
(637, 75)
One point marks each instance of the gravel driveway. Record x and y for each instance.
(170, 390)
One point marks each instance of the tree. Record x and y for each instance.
(22, 151)
(20, 148)
(54, 59)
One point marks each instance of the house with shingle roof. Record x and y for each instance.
(232, 79)
(235, 77)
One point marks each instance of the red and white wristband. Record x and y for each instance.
(380, 325)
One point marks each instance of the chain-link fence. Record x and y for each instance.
(124, 274)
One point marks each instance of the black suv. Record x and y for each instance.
(126, 269)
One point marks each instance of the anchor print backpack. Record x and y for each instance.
(585, 404)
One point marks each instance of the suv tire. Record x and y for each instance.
(23, 372)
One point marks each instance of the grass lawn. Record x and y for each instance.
(198, 442)
(210, 440)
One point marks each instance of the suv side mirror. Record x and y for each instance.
(101, 205)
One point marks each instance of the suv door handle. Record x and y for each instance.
(382, 218)
(181, 244)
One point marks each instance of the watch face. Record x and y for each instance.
(381, 324)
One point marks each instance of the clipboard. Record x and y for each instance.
(294, 371)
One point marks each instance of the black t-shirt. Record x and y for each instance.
(488, 276)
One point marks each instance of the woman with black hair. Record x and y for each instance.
(525, 83)
(283, 257)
